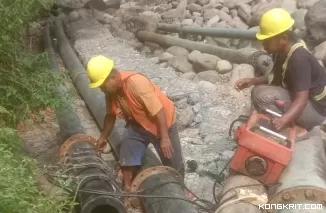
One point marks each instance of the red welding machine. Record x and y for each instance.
(262, 153)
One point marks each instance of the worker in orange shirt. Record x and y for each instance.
(149, 115)
(296, 86)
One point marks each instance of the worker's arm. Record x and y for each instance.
(260, 80)
(297, 106)
(109, 121)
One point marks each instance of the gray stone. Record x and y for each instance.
(316, 21)
(198, 118)
(213, 21)
(187, 22)
(227, 154)
(320, 51)
(192, 57)
(165, 56)
(298, 16)
(210, 75)
(306, 4)
(244, 11)
(223, 67)
(196, 108)
(164, 65)
(194, 98)
(289, 5)
(155, 60)
(205, 62)
(241, 71)
(181, 64)
(158, 52)
(185, 117)
(261, 8)
(199, 21)
(203, 2)
(195, 14)
(234, 13)
(224, 16)
(76, 4)
(178, 51)
(188, 75)
(194, 8)
(73, 16)
(182, 104)
(238, 23)
(210, 13)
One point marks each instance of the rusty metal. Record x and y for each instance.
(75, 139)
(256, 166)
(304, 180)
(242, 194)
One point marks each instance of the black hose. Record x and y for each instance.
(241, 118)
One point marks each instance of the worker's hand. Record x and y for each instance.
(279, 123)
(100, 143)
(244, 83)
(166, 147)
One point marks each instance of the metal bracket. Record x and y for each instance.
(139, 179)
(298, 194)
(74, 139)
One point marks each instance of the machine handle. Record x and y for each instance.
(264, 129)
(273, 113)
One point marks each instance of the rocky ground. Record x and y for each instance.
(201, 85)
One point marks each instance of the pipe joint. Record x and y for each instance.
(64, 149)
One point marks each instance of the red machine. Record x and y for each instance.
(262, 153)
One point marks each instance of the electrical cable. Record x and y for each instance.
(241, 118)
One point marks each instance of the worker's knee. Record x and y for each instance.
(264, 94)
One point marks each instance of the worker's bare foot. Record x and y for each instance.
(188, 194)
(301, 133)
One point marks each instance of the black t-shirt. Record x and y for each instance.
(303, 73)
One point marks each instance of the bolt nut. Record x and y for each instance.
(286, 196)
(309, 193)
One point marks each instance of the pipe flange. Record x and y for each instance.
(134, 201)
(74, 139)
(298, 194)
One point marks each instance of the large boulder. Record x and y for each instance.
(306, 3)
(316, 21)
(262, 7)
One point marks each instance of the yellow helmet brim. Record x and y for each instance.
(262, 37)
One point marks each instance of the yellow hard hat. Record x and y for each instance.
(98, 69)
(274, 22)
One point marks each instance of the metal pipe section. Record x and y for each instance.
(209, 31)
(161, 183)
(92, 179)
(68, 120)
(304, 180)
(242, 194)
(94, 98)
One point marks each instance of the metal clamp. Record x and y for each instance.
(74, 139)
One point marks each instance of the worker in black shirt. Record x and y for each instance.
(296, 85)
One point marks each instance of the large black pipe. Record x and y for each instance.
(81, 161)
(304, 180)
(67, 118)
(149, 175)
(92, 179)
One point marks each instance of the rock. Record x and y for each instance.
(187, 22)
(320, 51)
(262, 7)
(205, 62)
(241, 71)
(298, 16)
(194, 98)
(188, 75)
(210, 13)
(225, 9)
(213, 21)
(73, 16)
(192, 57)
(227, 155)
(188, 15)
(185, 117)
(224, 16)
(162, 8)
(195, 14)
(113, 3)
(306, 4)
(182, 103)
(238, 23)
(164, 64)
(223, 66)
(203, 2)
(210, 75)
(151, 14)
(234, 13)
(199, 21)
(231, 4)
(158, 52)
(155, 60)
(196, 108)
(152, 46)
(315, 20)
(181, 64)
(198, 118)
(165, 57)
(289, 5)
(178, 51)
(244, 11)
(194, 8)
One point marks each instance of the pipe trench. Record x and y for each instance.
(79, 159)
(150, 169)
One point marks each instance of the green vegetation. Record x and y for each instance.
(26, 86)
